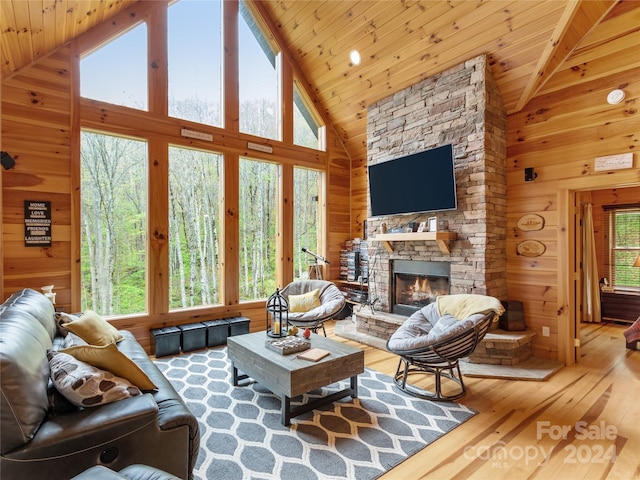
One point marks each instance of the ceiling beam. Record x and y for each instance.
(577, 20)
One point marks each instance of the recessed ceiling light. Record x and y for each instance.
(615, 96)
(354, 56)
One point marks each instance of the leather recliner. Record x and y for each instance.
(155, 429)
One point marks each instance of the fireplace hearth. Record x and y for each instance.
(417, 283)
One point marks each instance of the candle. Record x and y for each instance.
(276, 328)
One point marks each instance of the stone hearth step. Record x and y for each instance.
(535, 369)
(378, 324)
(500, 347)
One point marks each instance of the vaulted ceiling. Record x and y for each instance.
(534, 46)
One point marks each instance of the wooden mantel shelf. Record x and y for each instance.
(442, 239)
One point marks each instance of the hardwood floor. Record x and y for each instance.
(582, 423)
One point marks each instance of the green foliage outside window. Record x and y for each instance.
(257, 247)
(114, 183)
(626, 247)
(306, 185)
(194, 218)
(114, 224)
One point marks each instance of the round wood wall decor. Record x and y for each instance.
(530, 222)
(530, 248)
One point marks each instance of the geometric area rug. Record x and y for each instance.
(242, 437)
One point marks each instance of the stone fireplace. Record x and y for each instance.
(416, 283)
(461, 106)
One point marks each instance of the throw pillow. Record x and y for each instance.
(58, 403)
(72, 340)
(108, 357)
(87, 386)
(305, 302)
(93, 329)
(62, 318)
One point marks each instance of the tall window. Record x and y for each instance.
(195, 61)
(307, 129)
(622, 228)
(114, 169)
(194, 221)
(114, 224)
(258, 77)
(306, 186)
(258, 181)
(117, 72)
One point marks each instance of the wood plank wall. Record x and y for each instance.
(36, 119)
(41, 117)
(558, 134)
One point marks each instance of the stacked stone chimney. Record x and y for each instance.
(461, 106)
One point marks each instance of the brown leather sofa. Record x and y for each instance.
(156, 429)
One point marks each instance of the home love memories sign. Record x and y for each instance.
(37, 223)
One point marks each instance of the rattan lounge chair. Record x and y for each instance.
(332, 301)
(433, 340)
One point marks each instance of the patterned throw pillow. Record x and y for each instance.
(87, 386)
(305, 302)
(58, 403)
(61, 319)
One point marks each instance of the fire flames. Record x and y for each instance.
(420, 290)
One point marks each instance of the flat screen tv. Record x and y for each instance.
(421, 182)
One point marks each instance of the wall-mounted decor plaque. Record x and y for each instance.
(37, 223)
(530, 248)
(530, 222)
(613, 162)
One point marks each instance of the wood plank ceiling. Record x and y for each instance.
(529, 43)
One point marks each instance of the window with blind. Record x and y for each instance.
(622, 246)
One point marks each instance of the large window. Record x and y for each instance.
(622, 228)
(258, 181)
(121, 261)
(117, 72)
(306, 187)
(114, 224)
(195, 61)
(307, 129)
(259, 79)
(194, 222)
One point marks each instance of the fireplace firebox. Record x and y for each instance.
(417, 283)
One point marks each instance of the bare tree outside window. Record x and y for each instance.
(114, 177)
(306, 186)
(194, 44)
(114, 224)
(307, 128)
(258, 182)
(259, 74)
(194, 220)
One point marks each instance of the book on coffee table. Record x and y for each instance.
(313, 354)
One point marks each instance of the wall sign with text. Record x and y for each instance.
(530, 222)
(37, 223)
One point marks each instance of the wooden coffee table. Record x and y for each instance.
(288, 376)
